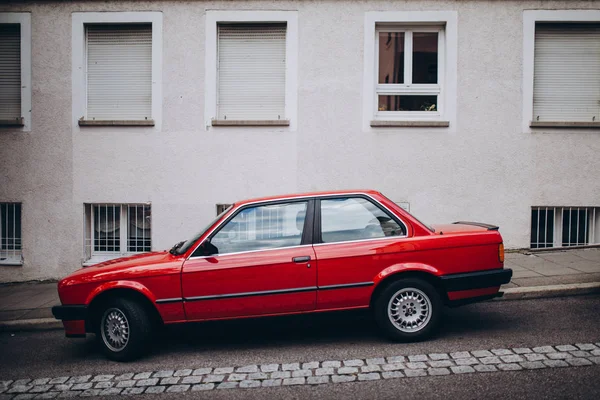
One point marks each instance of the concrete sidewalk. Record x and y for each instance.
(25, 306)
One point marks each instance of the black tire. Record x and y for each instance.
(423, 291)
(140, 329)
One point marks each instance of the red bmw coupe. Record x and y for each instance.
(290, 254)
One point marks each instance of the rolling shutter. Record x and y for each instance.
(10, 72)
(119, 72)
(567, 72)
(251, 71)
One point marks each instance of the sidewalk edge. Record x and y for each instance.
(539, 292)
(38, 324)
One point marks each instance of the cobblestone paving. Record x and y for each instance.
(307, 373)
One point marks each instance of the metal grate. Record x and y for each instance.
(564, 226)
(10, 232)
(139, 228)
(113, 230)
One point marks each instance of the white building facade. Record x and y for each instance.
(125, 125)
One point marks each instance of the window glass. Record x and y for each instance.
(107, 228)
(262, 227)
(407, 103)
(391, 57)
(425, 57)
(354, 218)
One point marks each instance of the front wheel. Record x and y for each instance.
(408, 310)
(124, 329)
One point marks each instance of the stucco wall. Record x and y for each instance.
(484, 168)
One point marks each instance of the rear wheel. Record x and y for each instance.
(124, 329)
(408, 310)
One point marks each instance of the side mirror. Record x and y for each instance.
(208, 249)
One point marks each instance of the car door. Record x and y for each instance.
(355, 238)
(263, 263)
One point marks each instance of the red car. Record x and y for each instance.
(285, 255)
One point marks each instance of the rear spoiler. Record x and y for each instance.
(487, 226)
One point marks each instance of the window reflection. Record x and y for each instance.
(355, 218)
(425, 57)
(264, 227)
(391, 57)
(407, 103)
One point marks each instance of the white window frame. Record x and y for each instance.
(444, 22)
(23, 19)
(530, 18)
(213, 18)
(79, 59)
(100, 256)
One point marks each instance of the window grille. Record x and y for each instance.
(113, 230)
(221, 207)
(10, 233)
(564, 226)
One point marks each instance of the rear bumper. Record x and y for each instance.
(476, 280)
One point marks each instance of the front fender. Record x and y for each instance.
(405, 267)
(132, 285)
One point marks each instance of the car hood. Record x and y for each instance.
(126, 268)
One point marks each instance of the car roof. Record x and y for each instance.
(307, 194)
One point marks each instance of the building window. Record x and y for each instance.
(10, 233)
(251, 68)
(564, 226)
(222, 207)
(117, 68)
(15, 70)
(566, 84)
(119, 72)
(251, 71)
(410, 69)
(115, 230)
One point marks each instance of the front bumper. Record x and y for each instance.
(70, 312)
(73, 318)
(476, 280)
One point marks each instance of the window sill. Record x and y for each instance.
(563, 124)
(89, 122)
(9, 123)
(11, 263)
(409, 124)
(248, 122)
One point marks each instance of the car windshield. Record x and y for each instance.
(190, 242)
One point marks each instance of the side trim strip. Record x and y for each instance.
(250, 294)
(346, 286)
(173, 300)
(267, 292)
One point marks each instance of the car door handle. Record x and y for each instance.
(301, 259)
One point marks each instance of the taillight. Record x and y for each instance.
(501, 252)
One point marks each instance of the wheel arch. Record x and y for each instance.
(424, 272)
(103, 295)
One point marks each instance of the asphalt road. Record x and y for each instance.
(491, 325)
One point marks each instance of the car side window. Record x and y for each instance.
(355, 218)
(262, 227)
